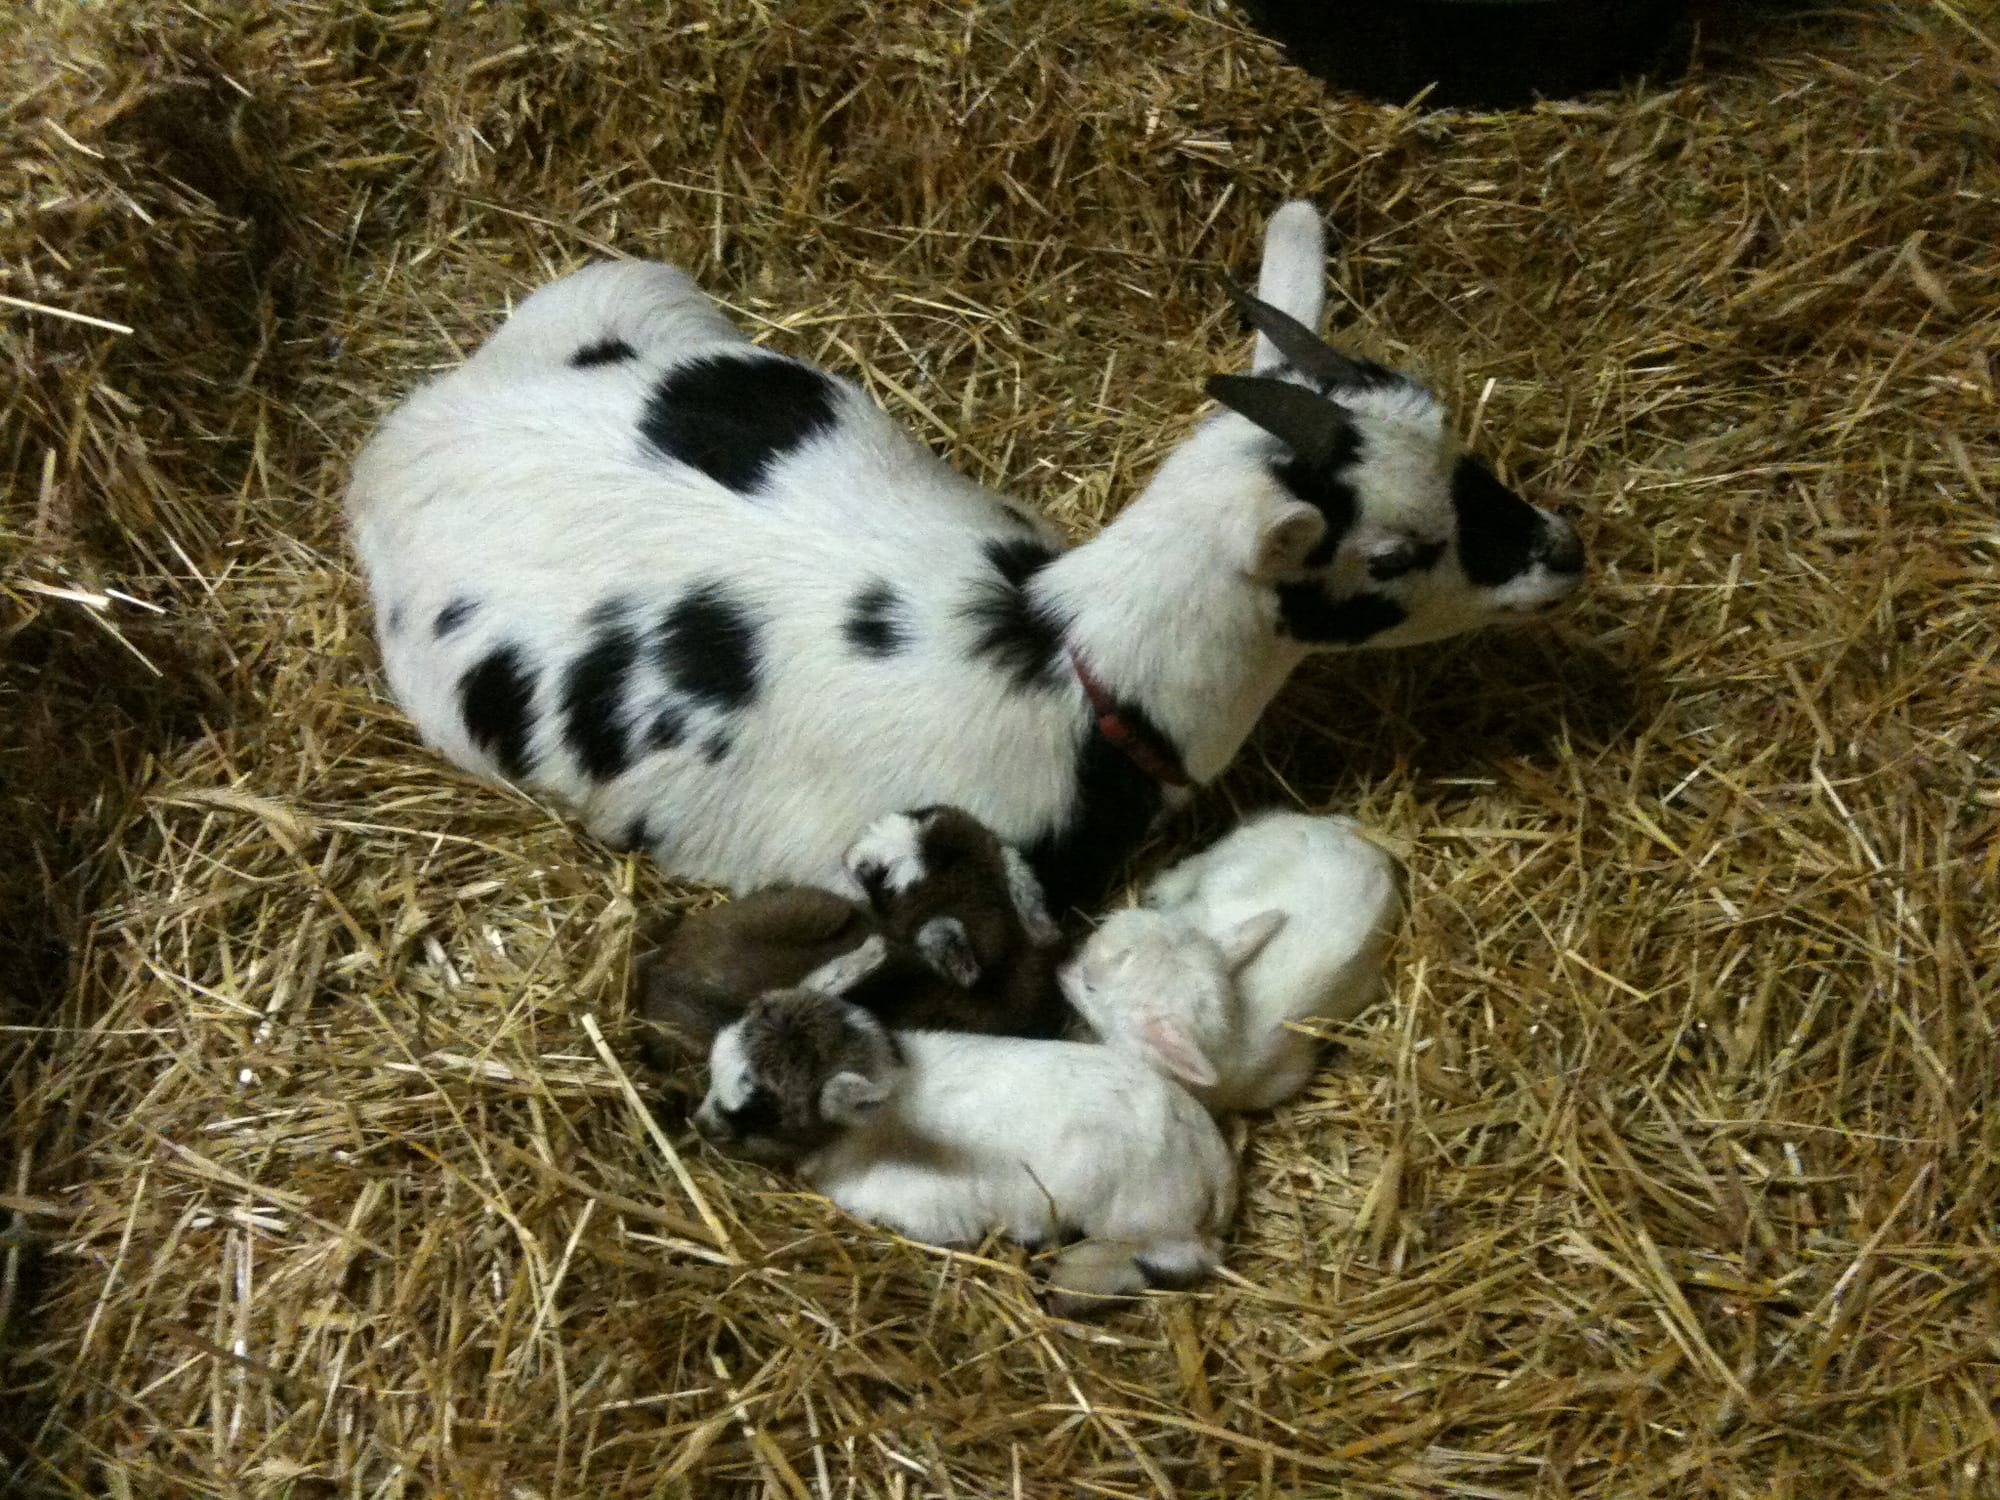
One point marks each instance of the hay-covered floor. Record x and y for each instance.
(1672, 1169)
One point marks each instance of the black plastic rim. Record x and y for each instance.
(1477, 54)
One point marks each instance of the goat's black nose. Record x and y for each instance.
(1561, 549)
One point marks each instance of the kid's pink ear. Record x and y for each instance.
(1169, 1045)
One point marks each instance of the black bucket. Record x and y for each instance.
(1479, 54)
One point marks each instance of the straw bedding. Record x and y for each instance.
(1669, 1171)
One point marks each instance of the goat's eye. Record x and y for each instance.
(1401, 556)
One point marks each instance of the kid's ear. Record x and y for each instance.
(1247, 938)
(1025, 891)
(947, 949)
(848, 1097)
(1167, 1043)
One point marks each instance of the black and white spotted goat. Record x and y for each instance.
(724, 606)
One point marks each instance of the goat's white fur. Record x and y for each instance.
(1287, 917)
(1035, 1140)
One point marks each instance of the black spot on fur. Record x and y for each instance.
(1497, 529)
(1306, 614)
(707, 644)
(1016, 633)
(637, 836)
(668, 729)
(497, 699)
(1326, 487)
(603, 352)
(1116, 804)
(872, 625)
(454, 614)
(733, 416)
(395, 619)
(716, 747)
(594, 697)
(1019, 559)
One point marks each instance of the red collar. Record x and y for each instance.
(1144, 746)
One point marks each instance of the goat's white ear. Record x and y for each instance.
(848, 1097)
(1167, 1043)
(1293, 275)
(1285, 537)
(1247, 938)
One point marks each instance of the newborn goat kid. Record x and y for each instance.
(1287, 917)
(946, 1137)
(940, 880)
(956, 939)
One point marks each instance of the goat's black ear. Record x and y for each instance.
(1312, 426)
(1305, 350)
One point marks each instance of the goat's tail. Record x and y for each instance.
(604, 314)
(1088, 1274)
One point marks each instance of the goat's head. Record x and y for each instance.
(1369, 523)
(1164, 989)
(942, 880)
(792, 1072)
